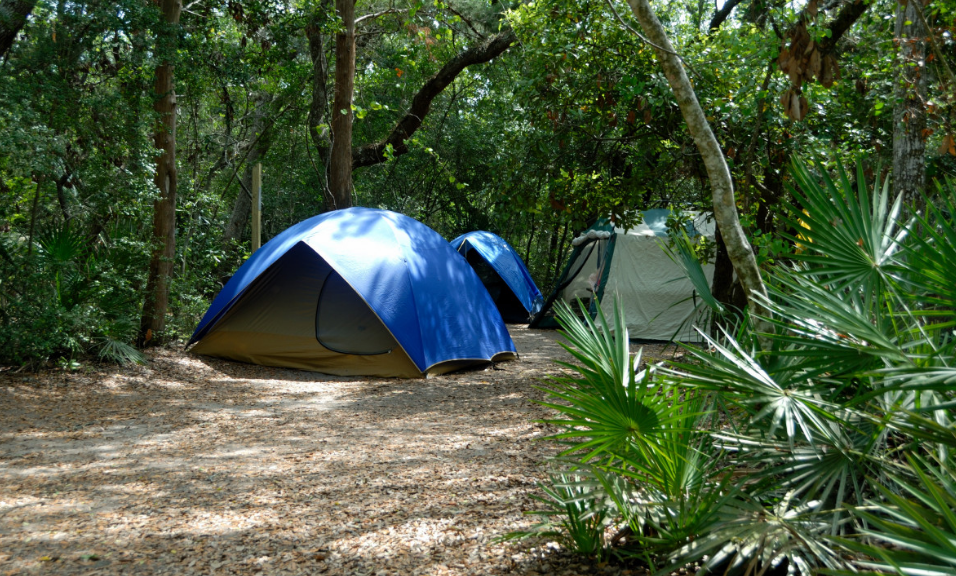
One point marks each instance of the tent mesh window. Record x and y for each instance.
(583, 280)
(344, 323)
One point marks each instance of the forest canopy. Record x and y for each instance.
(129, 131)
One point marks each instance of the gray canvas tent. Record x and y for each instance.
(608, 262)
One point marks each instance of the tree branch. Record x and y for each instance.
(722, 15)
(842, 22)
(13, 16)
(375, 15)
(629, 28)
(465, 20)
(374, 153)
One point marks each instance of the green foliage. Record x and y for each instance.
(911, 529)
(575, 512)
(829, 451)
(77, 305)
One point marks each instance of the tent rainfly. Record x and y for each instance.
(609, 263)
(503, 273)
(356, 292)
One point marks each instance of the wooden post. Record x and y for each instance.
(257, 207)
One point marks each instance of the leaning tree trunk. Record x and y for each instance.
(340, 167)
(725, 206)
(153, 322)
(13, 17)
(909, 114)
(397, 139)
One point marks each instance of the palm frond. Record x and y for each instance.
(916, 525)
(756, 538)
(928, 258)
(850, 239)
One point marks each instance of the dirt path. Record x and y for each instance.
(200, 466)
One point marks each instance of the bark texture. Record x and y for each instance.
(909, 114)
(153, 322)
(374, 153)
(722, 14)
(318, 109)
(13, 17)
(340, 165)
(842, 22)
(725, 208)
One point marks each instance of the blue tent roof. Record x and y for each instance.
(506, 262)
(427, 296)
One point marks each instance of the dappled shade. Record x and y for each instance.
(356, 291)
(503, 274)
(610, 262)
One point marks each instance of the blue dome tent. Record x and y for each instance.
(503, 273)
(355, 292)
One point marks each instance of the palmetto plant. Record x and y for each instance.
(574, 511)
(911, 528)
(77, 304)
(838, 436)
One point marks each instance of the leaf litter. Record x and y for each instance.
(194, 465)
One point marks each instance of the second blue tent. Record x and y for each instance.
(503, 273)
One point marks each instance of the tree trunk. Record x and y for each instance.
(262, 141)
(13, 17)
(725, 206)
(61, 183)
(527, 249)
(33, 217)
(725, 288)
(909, 113)
(318, 133)
(153, 322)
(340, 166)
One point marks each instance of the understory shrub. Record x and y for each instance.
(65, 300)
(824, 446)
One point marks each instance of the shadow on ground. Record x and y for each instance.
(198, 466)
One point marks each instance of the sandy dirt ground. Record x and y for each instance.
(194, 465)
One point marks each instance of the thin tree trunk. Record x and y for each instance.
(61, 197)
(318, 132)
(553, 253)
(340, 165)
(725, 207)
(527, 249)
(909, 114)
(241, 209)
(33, 218)
(153, 322)
(562, 250)
(13, 17)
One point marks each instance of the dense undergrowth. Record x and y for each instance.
(65, 297)
(824, 446)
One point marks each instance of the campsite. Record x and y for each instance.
(193, 466)
(467, 287)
